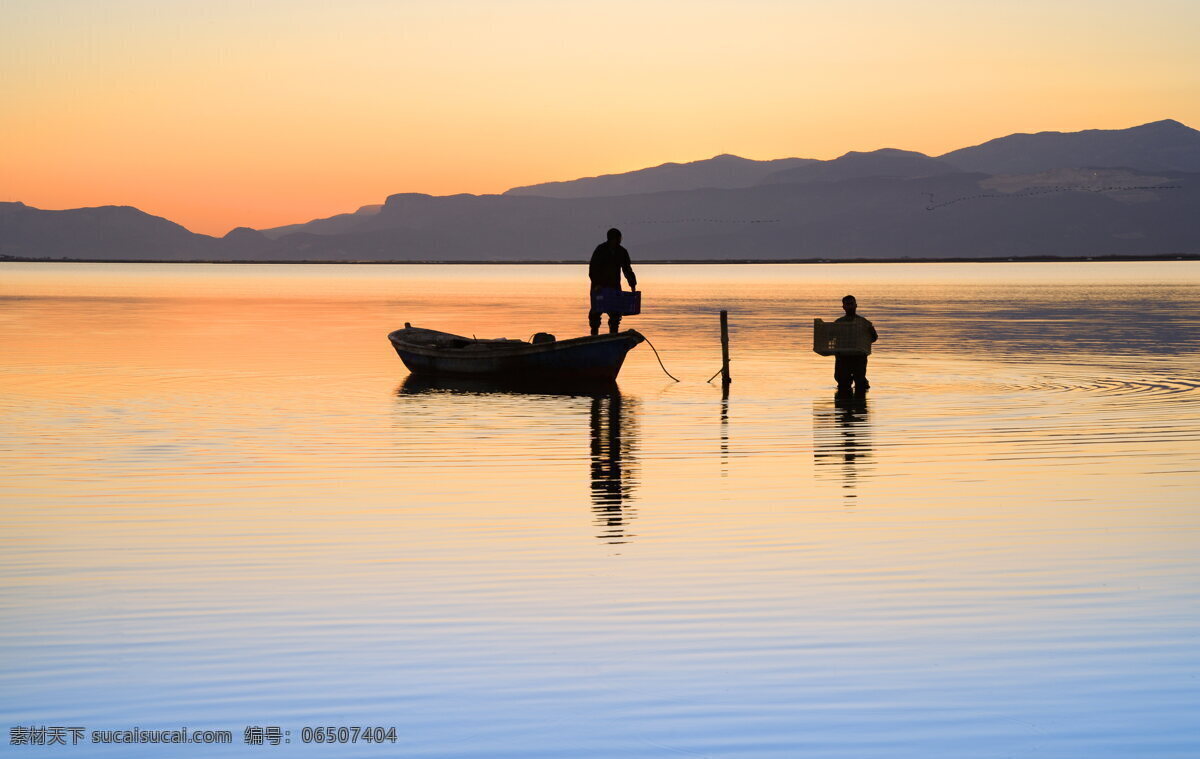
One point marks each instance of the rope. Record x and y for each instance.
(660, 363)
(710, 379)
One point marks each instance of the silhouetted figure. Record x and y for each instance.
(609, 259)
(849, 370)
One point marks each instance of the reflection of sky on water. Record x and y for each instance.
(216, 509)
(611, 426)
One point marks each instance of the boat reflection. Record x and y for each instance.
(613, 436)
(842, 439)
(414, 385)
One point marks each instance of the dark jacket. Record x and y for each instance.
(608, 261)
(870, 326)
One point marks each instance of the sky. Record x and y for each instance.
(218, 114)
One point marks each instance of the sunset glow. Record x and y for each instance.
(224, 114)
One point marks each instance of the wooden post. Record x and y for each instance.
(725, 379)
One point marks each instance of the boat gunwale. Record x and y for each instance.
(511, 348)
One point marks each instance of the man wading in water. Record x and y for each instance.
(852, 369)
(608, 261)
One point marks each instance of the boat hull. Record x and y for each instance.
(591, 359)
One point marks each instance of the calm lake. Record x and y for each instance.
(222, 506)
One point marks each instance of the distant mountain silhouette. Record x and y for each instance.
(723, 171)
(968, 215)
(1159, 146)
(250, 244)
(883, 204)
(329, 225)
(112, 232)
(887, 162)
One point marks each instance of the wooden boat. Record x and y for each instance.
(427, 352)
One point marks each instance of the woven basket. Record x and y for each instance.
(841, 338)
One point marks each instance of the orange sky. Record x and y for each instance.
(218, 114)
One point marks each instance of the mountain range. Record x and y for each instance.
(1095, 193)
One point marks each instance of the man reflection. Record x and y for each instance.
(613, 478)
(842, 437)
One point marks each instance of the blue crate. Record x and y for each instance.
(612, 301)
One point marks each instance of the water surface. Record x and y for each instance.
(223, 504)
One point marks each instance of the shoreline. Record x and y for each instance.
(641, 262)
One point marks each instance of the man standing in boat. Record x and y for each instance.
(608, 261)
(853, 369)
